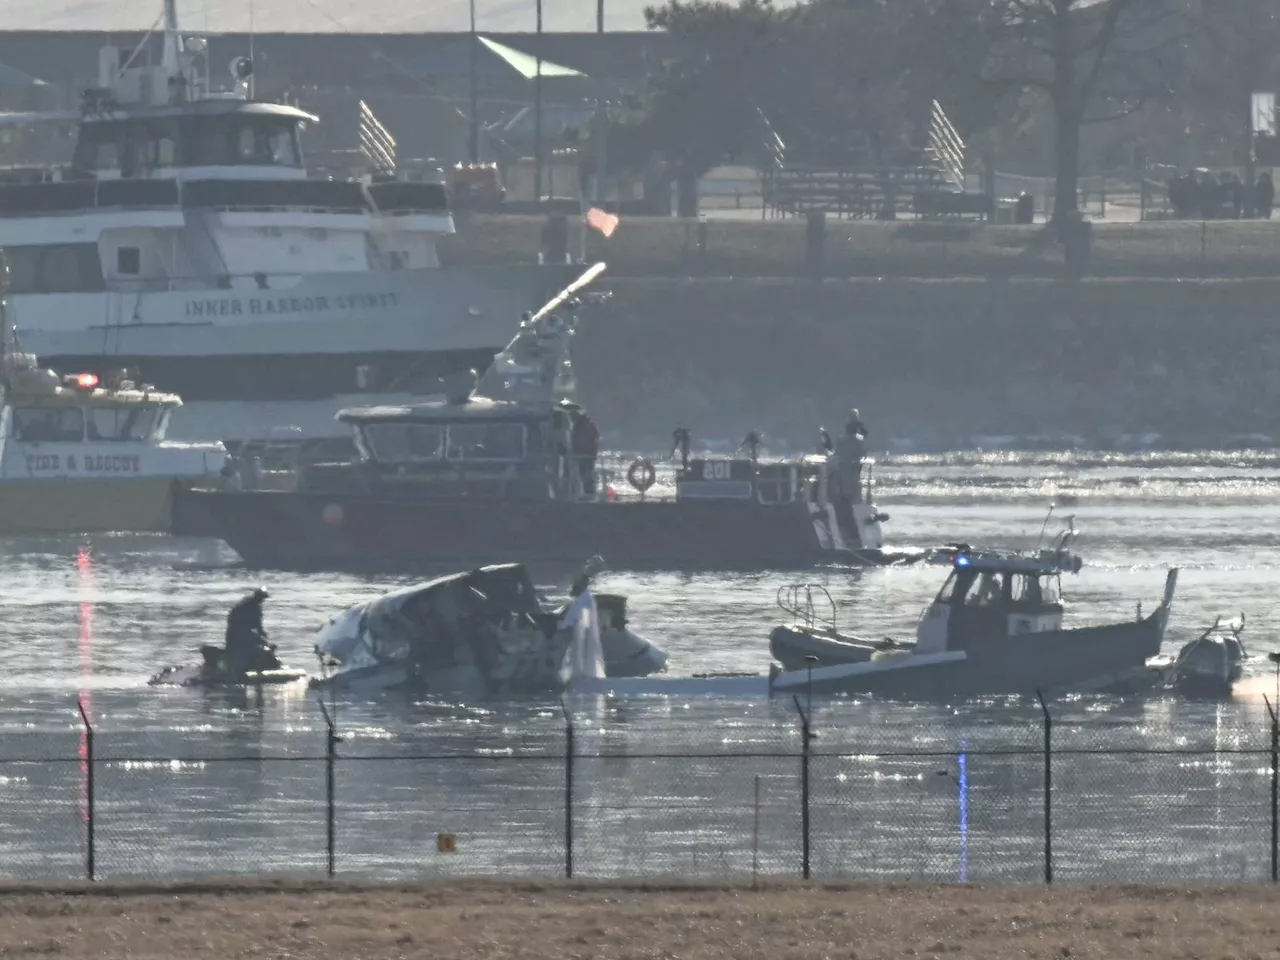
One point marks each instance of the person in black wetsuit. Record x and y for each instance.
(247, 647)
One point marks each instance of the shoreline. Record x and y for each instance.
(468, 919)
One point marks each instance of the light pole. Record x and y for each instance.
(473, 133)
(537, 108)
(601, 123)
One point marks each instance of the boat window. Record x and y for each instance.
(284, 147)
(48, 425)
(120, 423)
(54, 268)
(97, 147)
(241, 139)
(957, 585)
(128, 261)
(403, 442)
(988, 592)
(162, 142)
(486, 441)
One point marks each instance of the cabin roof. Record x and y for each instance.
(213, 107)
(1046, 563)
(441, 411)
(98, 399)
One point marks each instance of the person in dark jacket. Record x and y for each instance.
(247, 647)
(1264, 195)
(585, 441)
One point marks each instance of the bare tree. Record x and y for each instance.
(1095, 60)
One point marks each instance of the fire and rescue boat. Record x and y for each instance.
(83, 455)
(473, 479)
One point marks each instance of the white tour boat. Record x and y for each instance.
(187, 240)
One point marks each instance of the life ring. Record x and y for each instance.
(641, 474)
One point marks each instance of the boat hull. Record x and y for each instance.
(249, 360)
(1049, 662)
(310, 531)
(790, 645)
(90, 505)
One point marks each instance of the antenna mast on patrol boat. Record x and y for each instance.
(173, 50)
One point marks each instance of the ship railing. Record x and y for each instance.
(797, 600)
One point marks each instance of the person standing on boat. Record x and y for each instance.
(849, 451)
(848, 454)
(247, 647)
(585, 442)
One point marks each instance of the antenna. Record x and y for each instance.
(1044, 526)
(251, 47)
(172, 40)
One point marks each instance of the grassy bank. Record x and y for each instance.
(466, 920)
(669, 247)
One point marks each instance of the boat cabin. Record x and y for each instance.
(765, 482)
(994, 594)
(159, 141)
(77, 425)
(475, 447)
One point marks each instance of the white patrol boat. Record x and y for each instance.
(995, 626)
(78, 455)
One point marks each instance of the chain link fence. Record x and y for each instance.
(1101, 800)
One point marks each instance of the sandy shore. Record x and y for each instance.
(465, 920)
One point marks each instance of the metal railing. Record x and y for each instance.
(1080, 800)
(376, 142)
(946, 145)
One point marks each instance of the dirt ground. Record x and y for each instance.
(452, 920)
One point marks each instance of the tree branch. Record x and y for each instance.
(1132, 108)
(1106, 34)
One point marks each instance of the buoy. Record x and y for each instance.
(641, 474)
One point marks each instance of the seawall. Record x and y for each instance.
(937, 363)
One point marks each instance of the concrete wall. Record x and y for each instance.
(939, 363)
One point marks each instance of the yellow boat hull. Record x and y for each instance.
(90, 505)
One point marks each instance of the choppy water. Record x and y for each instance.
(952, 793)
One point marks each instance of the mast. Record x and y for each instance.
(173, 53)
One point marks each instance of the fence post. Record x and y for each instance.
(568, 792)
(1275, 790)
(1048, 789)
(330, 762)
(805, 736)
(90, 864)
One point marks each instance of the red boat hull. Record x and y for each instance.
(280, 530)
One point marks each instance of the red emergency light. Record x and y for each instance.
(86, 381)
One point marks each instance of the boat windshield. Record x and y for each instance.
(486, 441)
(48, 424)
(404, 442)
(133, 146)
(989, 592)
(957, 585)
(1036, 591)
(425, 442)
(121, 423)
